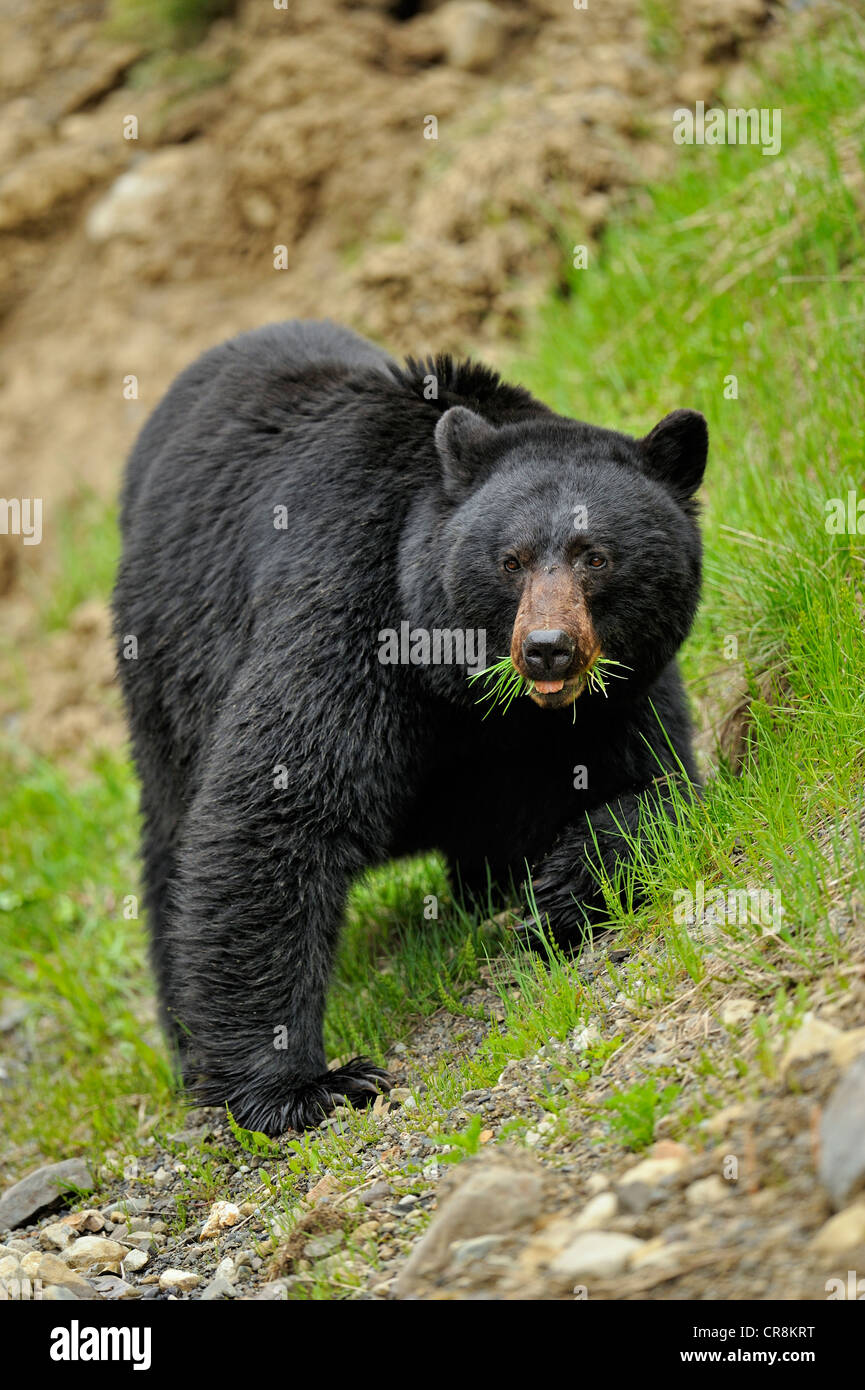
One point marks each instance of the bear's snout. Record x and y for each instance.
(547, 653)
(553, 641)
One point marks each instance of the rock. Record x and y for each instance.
(219, 1218)
(141, 1240)
(849, 1046)
(134, 202)
(320, 1246)
(41, 1189)
(30, 1263)
(88, 1252)
(258, 211)
(493, 1199)
(87, 1220)
(183, 1279)
(842, 1231)
(324, 1190)
(132, 1206)
(131, 1263)
(706, 1191)
(652, 1171)
(473, 33)
(812, 1038)
(110, 1287)
(10, 1267)
(636, 1197)
(56, 1236)
(597, 1212)
(226, 1269)
(218, 1288)
(466, 1252)
(724, 1120)
(594, 1255)
(668, 1148)
(276, 1291)
(660, 1254)
(376, 1193)
(52, 1270)
(583, 1038)
(842, 1136)
(597, 1182)
(737, 1011)
(58, 1293)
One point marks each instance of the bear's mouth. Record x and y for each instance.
(557, 694)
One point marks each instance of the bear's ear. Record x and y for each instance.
(675, 452)
(460, 435)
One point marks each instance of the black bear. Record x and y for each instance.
(296, 503)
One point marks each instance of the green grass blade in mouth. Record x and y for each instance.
(504, 684)
(599, 671)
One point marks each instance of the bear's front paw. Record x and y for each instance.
(307, 1103)
(570, 909)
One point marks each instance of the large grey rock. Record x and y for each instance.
(842, 1136)
(42, 1189)
(495, 1199)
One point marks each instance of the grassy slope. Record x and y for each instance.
(690, 286)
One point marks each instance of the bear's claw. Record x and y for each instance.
(273, 1106)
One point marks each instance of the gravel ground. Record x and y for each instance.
(725, 1204)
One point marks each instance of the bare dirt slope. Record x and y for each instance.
(303, 128)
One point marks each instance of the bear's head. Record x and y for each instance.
(563, 542)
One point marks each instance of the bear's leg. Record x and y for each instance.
(160, 774)
(566, 885)
(264, 866)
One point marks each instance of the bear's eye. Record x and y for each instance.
(511, 564)
(595, 561)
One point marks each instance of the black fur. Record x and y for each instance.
(258, 650)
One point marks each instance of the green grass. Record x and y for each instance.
(739, 266)
(633, 1114)
(68, 876)
(734, 268)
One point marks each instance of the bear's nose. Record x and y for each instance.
(547, 652)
